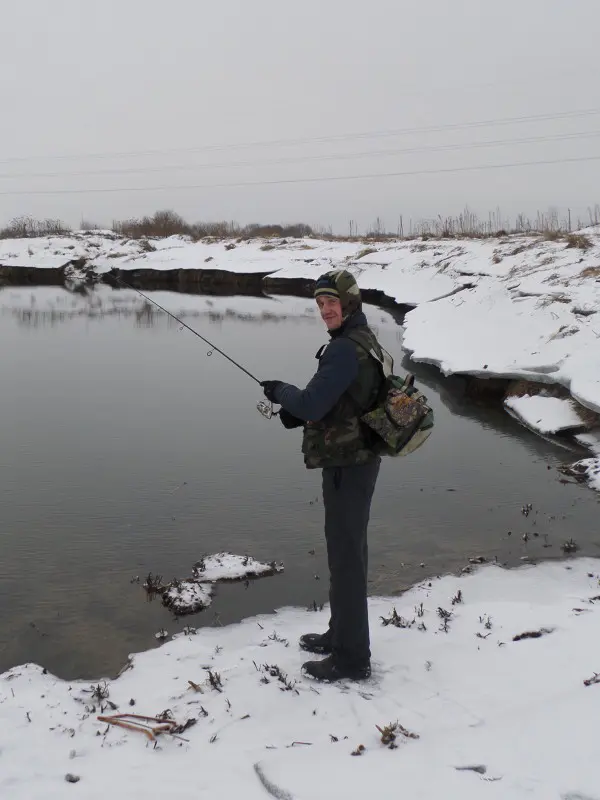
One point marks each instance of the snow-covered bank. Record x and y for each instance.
(545, 414)
(496, 713)
(531, 311)
(523, 307)
(488, 331)
(588, 469)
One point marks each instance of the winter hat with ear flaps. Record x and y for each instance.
(342, 285)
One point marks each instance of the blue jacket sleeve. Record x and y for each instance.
(338, 368)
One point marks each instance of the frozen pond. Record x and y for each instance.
(124, 450)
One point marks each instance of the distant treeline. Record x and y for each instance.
(168, 223)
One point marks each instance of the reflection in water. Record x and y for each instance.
(147, 316)
(58, 305)
(104, 419)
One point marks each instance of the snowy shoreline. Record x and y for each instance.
(519, 307)
(532, 292)
(493, 672)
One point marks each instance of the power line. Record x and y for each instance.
(317, 139)
(304, 159)
(321, 179)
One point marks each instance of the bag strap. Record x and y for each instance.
(409, 378)
(369, 351)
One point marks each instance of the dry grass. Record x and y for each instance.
(590, 272)
(564, 331)
(589, 418)
(548, 300)
(578, 240)
(469, 225)
(389, 734)
(553, 236)
(521, 388)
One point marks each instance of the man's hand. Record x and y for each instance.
(288, 420)
(269, 388)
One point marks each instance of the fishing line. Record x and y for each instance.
(212, 346)
(265, 409)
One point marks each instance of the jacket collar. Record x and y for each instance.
(355, 320)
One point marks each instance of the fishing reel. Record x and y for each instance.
(266, 409)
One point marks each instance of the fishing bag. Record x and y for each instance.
(401, 418)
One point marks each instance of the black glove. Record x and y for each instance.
(269, 389)
(288, 420)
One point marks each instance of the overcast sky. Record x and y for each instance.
(91, 87)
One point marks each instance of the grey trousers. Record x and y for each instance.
(347, 495)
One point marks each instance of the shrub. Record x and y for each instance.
(218, 230)
(162, 224)
(30, 228)
(168, 223)
(295, 231)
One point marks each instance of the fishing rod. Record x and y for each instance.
(265, 409)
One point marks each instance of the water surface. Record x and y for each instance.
(124, 450)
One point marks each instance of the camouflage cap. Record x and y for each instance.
(341, 284)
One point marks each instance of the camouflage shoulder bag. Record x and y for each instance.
(401, 417)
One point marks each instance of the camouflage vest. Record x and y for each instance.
(340, 439)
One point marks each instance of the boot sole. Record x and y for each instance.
(352, 678)
(319, 651)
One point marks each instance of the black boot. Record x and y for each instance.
(329, 670)
(319, 643)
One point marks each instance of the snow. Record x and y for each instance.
(591, 440)
(56, 251)
(545, 414)
(530, 315)
(485, 332)
(195, 593)
(519, 711)
(231, 567)
(588, 470)
(585, 381)
(401, 280)
(105, 252)
(187, 597)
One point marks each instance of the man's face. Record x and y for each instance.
(331, 311)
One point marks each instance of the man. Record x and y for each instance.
(345, 385)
